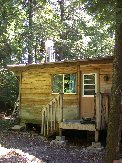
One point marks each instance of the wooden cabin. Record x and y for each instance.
(85, 87)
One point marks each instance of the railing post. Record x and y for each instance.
(42, 124)
(51, 118)
(47, 120)
(58, 106)
(49, 115)
(61, 107)
(94, 106)
(54, 115)
(61, 112)
(98, 110)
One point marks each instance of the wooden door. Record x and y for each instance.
(89, 86)
(87, 107)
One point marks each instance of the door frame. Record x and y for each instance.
(89, 71)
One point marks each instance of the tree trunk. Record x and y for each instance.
(114, 125)
(30, 37)
(61, 49)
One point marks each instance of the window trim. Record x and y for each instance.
(63, 83)
(89, 84)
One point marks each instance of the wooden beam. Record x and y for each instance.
(77, 126)
(79, 89)
(96, 136)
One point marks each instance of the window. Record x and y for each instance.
(89, 84)
(65, 83)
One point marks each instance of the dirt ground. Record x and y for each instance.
(24, 147)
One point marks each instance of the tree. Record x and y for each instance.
(7, 14)
(67, 22)
(111, 12)
(8, 81)
(114, 125)
(8, 89)
(82, 35)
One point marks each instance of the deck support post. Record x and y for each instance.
(60, 132)
(96, 136)
(61, 113)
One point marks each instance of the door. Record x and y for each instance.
(88, 89)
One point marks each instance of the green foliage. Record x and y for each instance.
(8, 82)
(79, 28)
(8, 87)
(80, 33)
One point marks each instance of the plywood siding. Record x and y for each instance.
(36, 92)
(71, 108)
(105, 86)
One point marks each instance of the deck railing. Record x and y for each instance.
(52, 115)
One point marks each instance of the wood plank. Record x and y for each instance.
(54, 115)
(31, 86)
(35, 91)
(34, 101)
(37, 96)
(51, 118)
(44, 133)
(47, 110)
(106, 70)
(70, 103)
(51, 70)
(39, 82)
(77, 126)
(96, 66)
(42, 123)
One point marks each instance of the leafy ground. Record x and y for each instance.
(25, 147)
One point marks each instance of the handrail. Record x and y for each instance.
(52, 114)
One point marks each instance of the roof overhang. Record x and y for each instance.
(21, 67)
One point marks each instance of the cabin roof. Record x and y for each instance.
(21, 67)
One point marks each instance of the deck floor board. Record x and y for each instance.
(77, 125)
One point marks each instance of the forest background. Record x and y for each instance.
(79, 29)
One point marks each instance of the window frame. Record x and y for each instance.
(64, 83)
(89, 84)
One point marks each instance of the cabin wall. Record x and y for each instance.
(105, 86)
(36, 92)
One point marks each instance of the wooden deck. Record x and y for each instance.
(77, 125)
